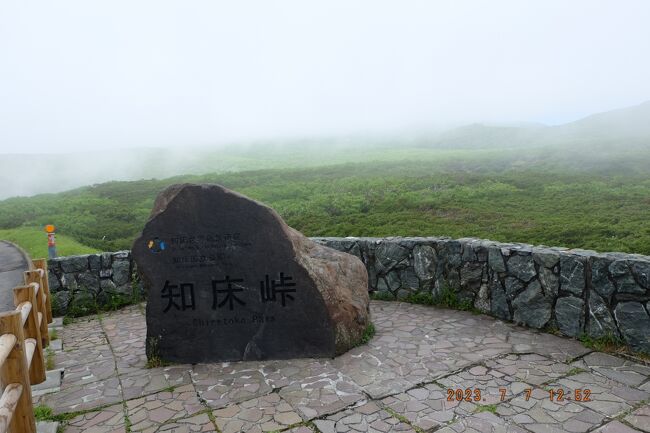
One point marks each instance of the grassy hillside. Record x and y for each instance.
(34, 241)
(540, 197)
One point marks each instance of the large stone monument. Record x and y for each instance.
(228, 280)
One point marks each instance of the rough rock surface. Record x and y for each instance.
(227, 279)
(569, 316)
(634, 322)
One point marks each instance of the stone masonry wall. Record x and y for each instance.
(80, 284)
(575, 291)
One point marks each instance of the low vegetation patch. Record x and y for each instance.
(575, 370)
(496, 196)
(90, 306)
(154, 360)
(447, 297)
(608, 343)
(43, 413)
(34, 241)
(492, 408)
(368, 333)
(49, 362)
(382, 296)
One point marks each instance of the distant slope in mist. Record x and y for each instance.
(479, 136)
(29, 174)
(614, 140)
(626, 123)
(623, 127)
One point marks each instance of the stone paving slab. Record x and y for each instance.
(221, 384)
(532, 369)
(300, 429)
(82, 397)
(481, 385)
(413, 347)
(640, 419)
(539, 414)
(263, 414)
(91, 371)
(367, 417)
(127, 334)
(47, 426)
(428, 406)
(619, 369)
(321, 391)
(484, 422)
(607, 396)
(70, 357)
(378, 374)
(52, 383)
(615, 427)
(138, 383)
(399, 382)
(56, 345)
(83, 333)
(557, 348)
(149, 412)
(107, 420)
(196, 423)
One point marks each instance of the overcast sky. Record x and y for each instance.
(85, 75)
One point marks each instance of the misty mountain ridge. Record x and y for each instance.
(624, 126)
(609, 140)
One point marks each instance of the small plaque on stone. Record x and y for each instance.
(228, 280)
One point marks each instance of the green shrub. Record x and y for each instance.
(382, 296)
(446, 297)
(368, 333)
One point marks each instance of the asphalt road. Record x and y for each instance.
(12, 265)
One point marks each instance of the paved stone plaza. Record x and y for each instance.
(399, 382)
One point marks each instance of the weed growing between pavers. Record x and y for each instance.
(612, 344)
(552, 329)
(447, 297)
(49, 363)
(492, 408)
(153, 357)
(42, 413)
(127, 420)
(607, 343)
(381, 296)
(45, 413)
(68, 320)
(403, 419)
(368, 333)
(137, 291)
(622, 415)
(209, 413)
